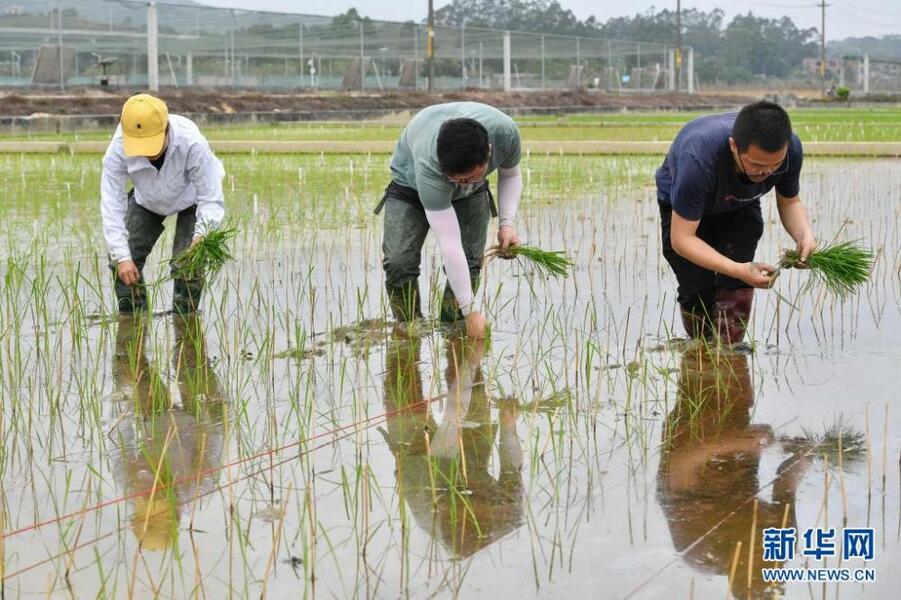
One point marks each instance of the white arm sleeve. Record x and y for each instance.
(446, 439)
(114, 204)
(205, 171)
(509, 191)
(446, 227)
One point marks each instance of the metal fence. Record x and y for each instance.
(139, 44)
(863, 75)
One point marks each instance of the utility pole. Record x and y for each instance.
(430, 42)
(59, 32)
(678, 60)
(463, 56)
(823, 6)
(153, 61)
(362, 60)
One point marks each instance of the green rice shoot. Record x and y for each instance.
(840, 268)
(853, 444)
(207, 257)
(554, 263)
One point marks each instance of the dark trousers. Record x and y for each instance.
(733, 234)
(405, 230)
(144, 230)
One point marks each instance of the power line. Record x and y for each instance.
(849, 5)
(854, 17)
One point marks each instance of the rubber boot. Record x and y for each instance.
(131, 298)
(134, 302)
(696, 326)
(404, 301)
(186, 296)
(732, 311)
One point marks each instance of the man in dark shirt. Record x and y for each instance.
(709, 189)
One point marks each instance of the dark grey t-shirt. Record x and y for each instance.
(698, 176)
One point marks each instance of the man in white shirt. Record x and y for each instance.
(438, 181)
(173, 171)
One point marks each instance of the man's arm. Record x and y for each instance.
(114, 205)
(686, 243)
(447, 229)
(113, 208)
(205, 172)
(793, 215)
(435, 196)
(792, 212)
(509, 192)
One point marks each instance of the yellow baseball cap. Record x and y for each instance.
(144, 120)
(155, 522)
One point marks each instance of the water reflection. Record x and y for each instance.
(444, 469)
(709, 473)
(165, 434)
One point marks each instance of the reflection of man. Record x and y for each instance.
(461, 446)
(709, 469)
(163, 442)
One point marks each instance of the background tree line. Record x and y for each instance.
(745, 48)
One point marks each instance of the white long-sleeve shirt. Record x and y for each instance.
(447, 229)
(191, 174)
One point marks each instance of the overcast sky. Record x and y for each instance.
(843, 18)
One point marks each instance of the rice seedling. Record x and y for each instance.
(838, 442)
(554, 263)
(207, 257)
(841, 268)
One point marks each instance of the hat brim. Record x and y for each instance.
(144, 146)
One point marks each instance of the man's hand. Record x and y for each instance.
(806, 246)
(476, 325)
(128, 272)
(758, 275)
(507, 238)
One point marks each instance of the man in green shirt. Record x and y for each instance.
(439, 181)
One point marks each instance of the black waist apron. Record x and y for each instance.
(407, 194)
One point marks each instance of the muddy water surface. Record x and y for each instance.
(290, 440)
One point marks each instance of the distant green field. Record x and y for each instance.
(832, 125)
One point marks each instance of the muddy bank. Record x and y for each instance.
(235, 106)
(95, 102)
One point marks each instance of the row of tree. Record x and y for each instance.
(742, 49)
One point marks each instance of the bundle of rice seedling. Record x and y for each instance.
(837, 442)
(838, 437)
(841, 268)
(207, 257)
(554, 263)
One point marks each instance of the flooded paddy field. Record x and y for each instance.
(291, 441)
